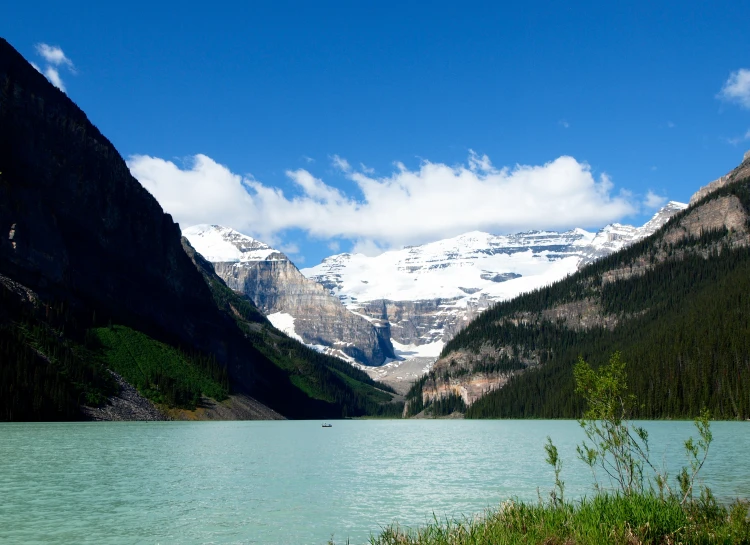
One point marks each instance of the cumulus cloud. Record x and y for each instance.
(737, 88)
(409, 206)
(201, 192)
(653, 200)
(55, 59)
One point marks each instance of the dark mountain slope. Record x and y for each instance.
(675, 304)
(84, 245)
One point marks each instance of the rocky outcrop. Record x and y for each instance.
(724, 212)
(424, 321)
(471, 375)
(281, 292)
(128, 404)
(468, 387)
(742, 171)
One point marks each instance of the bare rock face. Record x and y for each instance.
(424, 321)
(299, 306)
(722, 212)
(467, 375)
(740, 172)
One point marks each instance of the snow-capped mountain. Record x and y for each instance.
(225, 245)
(615, 236)
(428, 293)
(300, 307)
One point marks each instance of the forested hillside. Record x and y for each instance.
(676, 305)
(94, 277)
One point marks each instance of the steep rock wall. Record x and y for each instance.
(276, 285)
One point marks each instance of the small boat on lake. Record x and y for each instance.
(327, 425)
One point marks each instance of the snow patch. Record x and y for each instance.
(407, 351)
(285, 322)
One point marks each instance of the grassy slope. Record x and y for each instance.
(161, 373)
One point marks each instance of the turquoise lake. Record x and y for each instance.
(295, 482)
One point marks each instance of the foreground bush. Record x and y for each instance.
(605, 519)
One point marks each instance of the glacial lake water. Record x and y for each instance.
(295, 482)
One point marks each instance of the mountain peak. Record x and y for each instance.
(223, 244)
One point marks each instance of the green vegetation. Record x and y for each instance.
(45, 375)
(604, 519)
(690, 349)
(639, 507)
(446, 405)
(161, 373)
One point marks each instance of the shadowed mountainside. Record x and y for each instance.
(84, 245)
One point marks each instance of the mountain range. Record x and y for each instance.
(428, 293)
(392, 314)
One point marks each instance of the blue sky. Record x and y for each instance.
(384, 124)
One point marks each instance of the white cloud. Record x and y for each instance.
(480, 164)
(654, 200)
(36, 67)
(334, 246)
(308, 159)
(341, 164)
(737, 88)
(54, 58)
(430, 202)
(564, 124)
(53, 55)
(204, 192)
(53, 75)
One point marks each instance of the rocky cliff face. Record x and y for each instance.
(738, 173)
(301, 307)
(75, 224)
